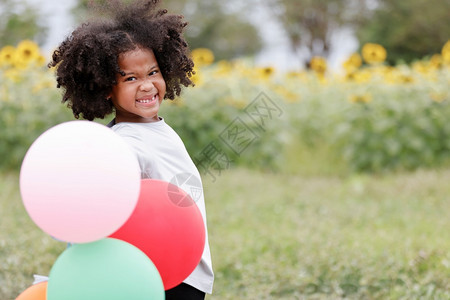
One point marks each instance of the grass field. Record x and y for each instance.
(279, 236)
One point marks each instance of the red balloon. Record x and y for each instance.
(37, 291)
(168, 227)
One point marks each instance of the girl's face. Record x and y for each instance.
(138, 95)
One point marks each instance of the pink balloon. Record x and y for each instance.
(79, 181)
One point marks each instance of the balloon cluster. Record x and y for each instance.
(80, 183)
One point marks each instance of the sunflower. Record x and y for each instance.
(41, 60)
(27, 52)
(265, 73)
(286, 94)
(436, 61)
(421, 67)
(202, 57)
(360, 98)
(318, 64)
(374, 53)
(7, 56)
(362, 76)
(405, 78)
(446, 52)
(352, 63)
(296, 75)
(224, 68)
(397, 76)
(197, 77)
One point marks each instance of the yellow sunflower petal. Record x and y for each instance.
(318, 64)
(26, 52)
(446, 52)
(374, 53)
(7, 54)
(352, 63)
(202, 57)
(360, 98)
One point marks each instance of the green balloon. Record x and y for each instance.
(105, 269)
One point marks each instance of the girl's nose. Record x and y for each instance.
(147, 85)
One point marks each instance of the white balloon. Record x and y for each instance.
(79, 181)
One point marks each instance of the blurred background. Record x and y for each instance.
(316, 59)
(281, 30)
(338, 187)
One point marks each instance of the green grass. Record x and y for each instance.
(24, 249)
(279, 236)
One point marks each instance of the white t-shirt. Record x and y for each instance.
(162, 155)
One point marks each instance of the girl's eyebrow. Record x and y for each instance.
(123, 73)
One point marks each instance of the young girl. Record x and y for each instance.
(128, 65)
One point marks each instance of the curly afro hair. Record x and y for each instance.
(87, 61)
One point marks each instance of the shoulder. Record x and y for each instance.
(126, 129)
(129, 132)
(123, 128)
(167, 128)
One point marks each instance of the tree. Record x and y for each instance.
(212, 24)
(311, 24)
(410, 29)
(19, 21)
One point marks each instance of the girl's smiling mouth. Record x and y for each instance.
(150, 100)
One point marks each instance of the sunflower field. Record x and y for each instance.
(369, 117)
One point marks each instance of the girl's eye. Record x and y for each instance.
(130, 79)
(153, 72)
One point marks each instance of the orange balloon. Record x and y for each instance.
(37, 291)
